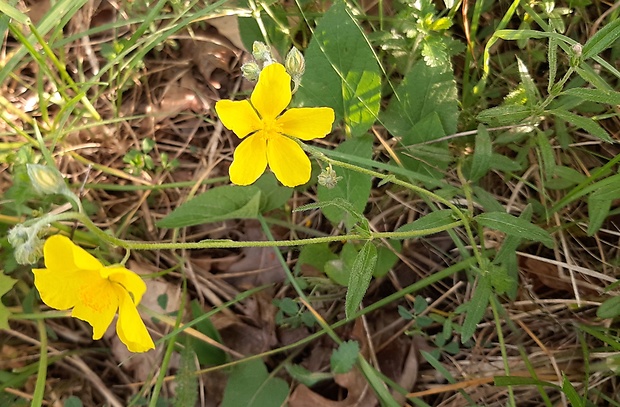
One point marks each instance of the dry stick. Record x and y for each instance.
(81, 365)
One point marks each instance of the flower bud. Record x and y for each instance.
(18, 235)
(250, 71)
(295, 63)
(261, 52)
(575, 59)
(46, 180)
(328, 178)
(29, 252)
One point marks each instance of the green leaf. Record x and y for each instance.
(250, 385)
(208, 355)
(425, 91)
(215, 205)
(343, 358)
(546, 155)
(611, 190)
(503, 163)
(306, 377)
(608, 97)
(507, 254)
(339, 270)
(186, 381)
(273, 23)
(481, 161)
(431, 221)
(13, 13)
(521, 381)
(73, 401)
(504, 115)
(487, 200)
(378, 384)
(531, 90)
(598, 209)
(514, 226)
(476, 308)
(566, 177)
(273, 195)
(287, 305)
(552, 58)
(430, 159)
(592, 77)
(569, 390)
(342, 71)
(359, 280)
(435, 51)
(602, 40)
(354, 187)
(582, 122)
(610, 308)
(6, 283)
(386, 257)
(315, 255)
(354, 216)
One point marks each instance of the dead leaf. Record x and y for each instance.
(259, 265)
(37, 10)
(359, 393)
(549, 275)
(228, 28)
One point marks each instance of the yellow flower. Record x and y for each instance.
(269, 134)
(75, 279)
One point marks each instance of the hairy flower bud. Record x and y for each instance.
(18, 235)
(261, 52)
(328, 178)
(250, 71)
(46, 180)
(295, 63)
(29, 252)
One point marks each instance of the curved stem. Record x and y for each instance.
(391, 178)
(213, 244)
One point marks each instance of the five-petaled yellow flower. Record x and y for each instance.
(75, 279)
(269, 133)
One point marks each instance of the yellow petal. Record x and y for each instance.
(62, 254)
(272, 93)
(59, 288)
(288, 161)
(97, 305)
(130, 327)
(68, 268)
(250, 160)
(307, 123)
(130, 281)
(240, 117)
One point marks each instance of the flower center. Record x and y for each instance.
(98, 296)
(271, 127)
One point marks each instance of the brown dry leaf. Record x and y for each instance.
(359, 393)
(548, 275)
(176, 99)
(210, 51)
(37, 9)
(228, 28)
(246, 339)
(259, 265)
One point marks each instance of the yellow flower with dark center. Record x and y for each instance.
(75, 279)
(270, 133)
